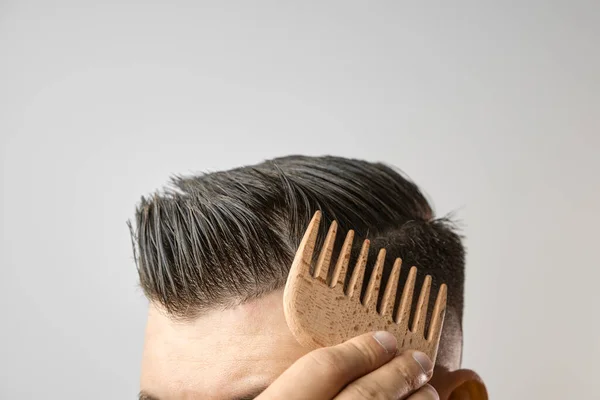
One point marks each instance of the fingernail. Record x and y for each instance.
(387, 341)
(424, 362)
(434, 394)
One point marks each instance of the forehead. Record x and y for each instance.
(220, 355)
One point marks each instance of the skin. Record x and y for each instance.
(237, 353)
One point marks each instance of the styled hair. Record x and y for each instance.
(216, 240)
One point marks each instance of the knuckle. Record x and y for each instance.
(411, 374)
(330, 363)
(367, 352)
(371, 391)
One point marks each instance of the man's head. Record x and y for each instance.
(214, 251)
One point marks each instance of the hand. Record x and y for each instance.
(365, 367)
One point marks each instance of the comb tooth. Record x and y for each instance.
(359, 270)
(407, 294)
(421, 315)
(375, 281)
(303, 258)
(322, 267)
(341, 266)
(389, 296)
(439, 311)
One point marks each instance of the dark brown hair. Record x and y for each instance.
(219, 239)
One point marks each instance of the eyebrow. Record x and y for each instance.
(251, 395)
(145, 396)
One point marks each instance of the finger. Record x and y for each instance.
(427, 392)
(324, 372)
(397, 379)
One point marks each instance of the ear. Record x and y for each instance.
(462, 384)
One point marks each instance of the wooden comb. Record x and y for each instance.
(321, 314)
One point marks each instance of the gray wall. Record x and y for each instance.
(492, 108)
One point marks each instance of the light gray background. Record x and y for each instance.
(493, 109)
